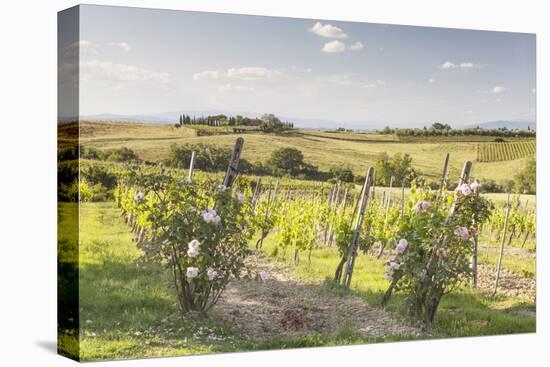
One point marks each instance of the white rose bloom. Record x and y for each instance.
(193, 252)
(207, 217)
(216, 220)
(194, 244)
(192, 272)
(211, 273)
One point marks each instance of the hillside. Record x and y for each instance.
(325, 150)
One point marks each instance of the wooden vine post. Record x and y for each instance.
(191, 166)
(232, 169)
(348, 272)
(256, 192)
(499, 266)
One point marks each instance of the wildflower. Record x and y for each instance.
(402, 246)
(421, 206)
(465, 189)
(211, 274)
(263, 276)
(239, 197)
(192, 272)
(462, 233)
(388, 276)
(475, 185)
(222, 188)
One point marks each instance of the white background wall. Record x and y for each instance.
(28, 181)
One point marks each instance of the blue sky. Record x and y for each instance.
(139, 61)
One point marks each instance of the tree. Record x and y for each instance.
(286, 161)
(440, 126)
(526, 179)
(270, 122)
(399, 167)
(344, 174)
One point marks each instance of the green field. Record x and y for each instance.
(323, 149)
(126, 310)
(494, 152)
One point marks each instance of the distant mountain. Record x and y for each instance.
(508, 124)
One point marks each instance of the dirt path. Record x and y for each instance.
(286, 306)
(509, 284)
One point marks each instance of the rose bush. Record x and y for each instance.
(434, 248)
(198, 230)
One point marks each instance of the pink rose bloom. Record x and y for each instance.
(402, 246)
(421, 206)
(465, 189)
(462, 233)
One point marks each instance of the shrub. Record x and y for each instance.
(197, 230)
(96, 174)
(91, 153)
(344, 174)
(399, 167)
(526, 179)
(434, 248)
(208, 158)
(122, 154)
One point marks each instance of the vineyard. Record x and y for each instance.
(222, 240)
(494, 152)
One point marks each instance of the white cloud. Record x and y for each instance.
(123, 45)
(357, 46)
(83, 49)
(252, 72)
(327, 30)
(449, 65)
(431, 80)
(495, 90)
(234, 88)
(334, 47)
(498, 89)
(340, 79)
(244, 73)
(97, 70)
(376, 83)
(207, 74)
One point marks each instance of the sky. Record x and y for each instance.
(143, 61)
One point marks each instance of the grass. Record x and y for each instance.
(356, 150)
(468, 312)
(128, 311)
